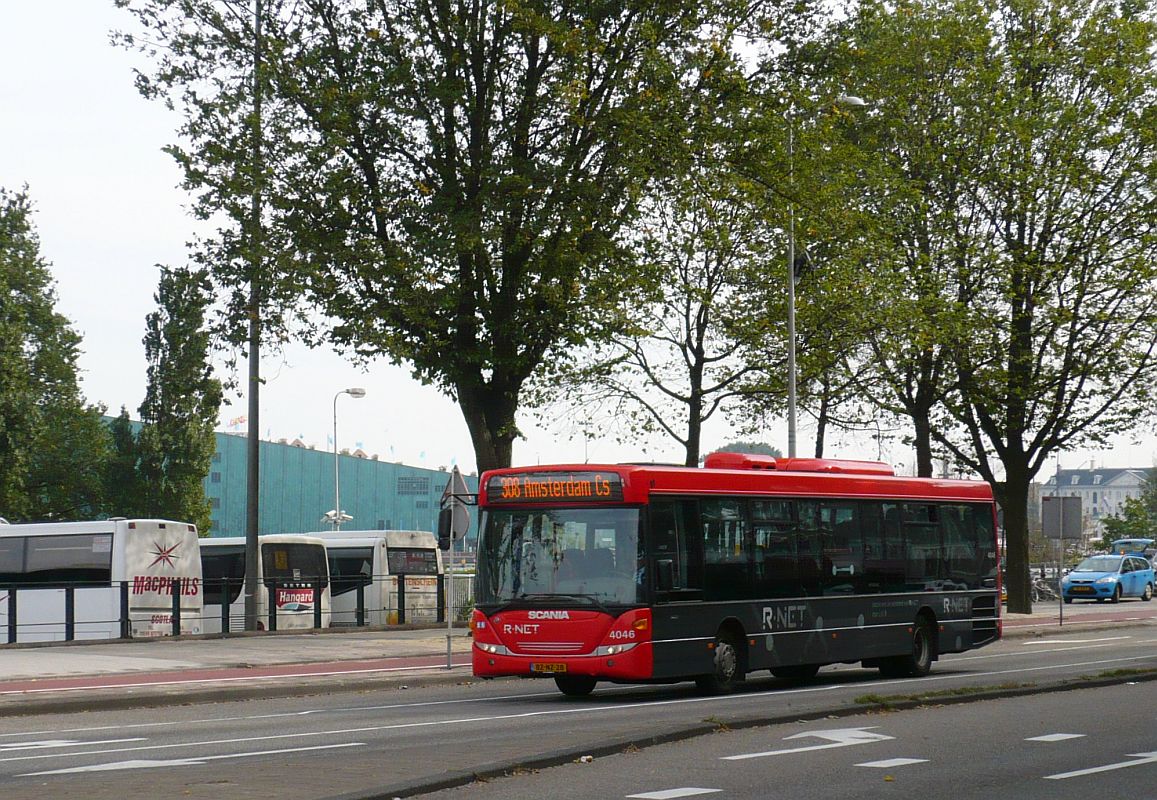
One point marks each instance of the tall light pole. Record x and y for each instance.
(256, 242)
(357, 392)
(846, 101)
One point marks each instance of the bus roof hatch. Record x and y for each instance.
(754, 461)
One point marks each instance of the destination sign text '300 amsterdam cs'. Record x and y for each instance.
(552, 487)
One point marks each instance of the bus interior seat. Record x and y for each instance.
(600, 562)
(572, 564)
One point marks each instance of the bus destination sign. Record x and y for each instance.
(554, 487)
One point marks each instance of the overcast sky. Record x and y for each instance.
(108, 210)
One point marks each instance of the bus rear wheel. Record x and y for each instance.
(575, 685)
(918, 663)
(728, 661)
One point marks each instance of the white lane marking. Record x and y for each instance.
(282, 715)
(182, 762)
(46, 744)
(235, 679)
(1016, 653)
(893, 762)
(1139, 759)
(653, 703)
(1055, 737)
(1076, 641)
(670, 794)
(843, 737)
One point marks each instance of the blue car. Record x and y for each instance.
(1109, 577)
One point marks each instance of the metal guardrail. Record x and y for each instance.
(67, 625)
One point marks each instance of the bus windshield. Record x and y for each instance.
(592, 553)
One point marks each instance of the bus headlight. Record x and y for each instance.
(492, 649)
(614, 649)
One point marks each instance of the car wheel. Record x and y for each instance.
(1147, 595)
(1116, 598)
(1068, 600)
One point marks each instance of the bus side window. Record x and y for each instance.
(726, 550)
(773, 531)
(12, 559)
(808, 540)
(883, 547)
(924, 569)
(842, 557)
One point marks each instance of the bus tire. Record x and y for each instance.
(796, 672)
(575, 685)
(727, 656)
(918, 663)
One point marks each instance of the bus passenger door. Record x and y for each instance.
(673, 568)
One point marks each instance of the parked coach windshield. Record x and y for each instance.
(587, 552)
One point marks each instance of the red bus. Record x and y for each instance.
(657, 574)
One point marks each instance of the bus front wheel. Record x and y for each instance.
(575, 685)
(728, 661)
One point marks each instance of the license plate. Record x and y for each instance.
(540, 667)
(1081, 589)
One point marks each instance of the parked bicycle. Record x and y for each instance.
(1043, 589)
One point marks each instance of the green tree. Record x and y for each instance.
(52, 445)
(124, 492)
(1135, 521)
(451, 180)
(1042, 320)
(799, 150)
(1149, 492)
(675, 362)
(182, 401)
(919, 62)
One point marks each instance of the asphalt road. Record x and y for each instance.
(1086, 743)
(403, 742)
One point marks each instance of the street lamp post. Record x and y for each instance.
(846, 101)
(356, 392)
(791, 286)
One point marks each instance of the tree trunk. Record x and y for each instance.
(822, 423)
(694, 429)
(1013, 498)
(922, 441)
(489, 415)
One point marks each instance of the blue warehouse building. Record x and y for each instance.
(297, 489)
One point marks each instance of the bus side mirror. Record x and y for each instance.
(664, 574)
(445, 523)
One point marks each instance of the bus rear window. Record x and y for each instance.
(412, 561)
(294, 562)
